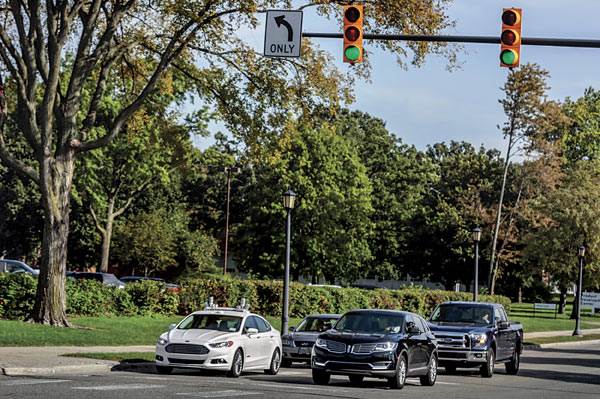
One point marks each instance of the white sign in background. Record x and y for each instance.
(590, 299)
(283, 33)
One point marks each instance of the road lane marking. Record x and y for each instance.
(219, 394)
(32, 382)
(118, 387)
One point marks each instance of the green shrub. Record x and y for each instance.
(17, 295)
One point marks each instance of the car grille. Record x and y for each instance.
(303, 344)
(363, 348)
(187, 349)
(452, 355)
(334, 346)
(184, 361)
(452, 340)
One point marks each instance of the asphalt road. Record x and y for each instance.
(572, 372)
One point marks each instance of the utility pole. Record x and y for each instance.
(228, 170)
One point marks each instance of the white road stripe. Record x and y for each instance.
(32, 382)
(119, 387)
(218, 394)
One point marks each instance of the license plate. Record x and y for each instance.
(304, 351)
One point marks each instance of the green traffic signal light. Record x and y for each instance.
(352, 53)
(509, 57)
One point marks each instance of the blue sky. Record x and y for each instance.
(429, 104)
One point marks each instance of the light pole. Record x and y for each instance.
(476, 234)
(229, 171)
(289, 201)
(577, 331)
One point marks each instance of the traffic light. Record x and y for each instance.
(353, 33)
(510, 40)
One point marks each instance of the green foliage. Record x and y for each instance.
(581, 139)
(265, 297)
(88, 298)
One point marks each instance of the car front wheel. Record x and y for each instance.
(320, 377)
(487, 370)
(399, 379)
(237, 365)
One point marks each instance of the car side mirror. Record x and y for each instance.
(292, 329)
(503, 325)
(172, 326)
(411, 328)
(251, 331)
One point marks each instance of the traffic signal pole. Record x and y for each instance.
(527, 41)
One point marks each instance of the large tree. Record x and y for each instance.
(53, 50)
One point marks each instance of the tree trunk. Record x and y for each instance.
(56, 178)
(520, 295)
(107, 235)
(563, 300)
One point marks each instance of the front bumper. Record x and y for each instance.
(215, 359)
(462, 356)
(299, 354)
(380, 365)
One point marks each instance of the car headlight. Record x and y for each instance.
(287, 342)
(478, 339)
(385, 346)
(224, 344)
(162, 341)
(321, 343)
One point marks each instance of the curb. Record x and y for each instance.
(58, 370)
(531, 346)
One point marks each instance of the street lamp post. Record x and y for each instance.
(577, 331)
(476, 234)
(289, 201)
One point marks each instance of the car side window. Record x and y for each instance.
(263, 326)
(419, 324)
(407, 320)
(250, 323)
(499, 315)
(424, 323)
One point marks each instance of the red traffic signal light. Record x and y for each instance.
(353, 33)
(510, 39)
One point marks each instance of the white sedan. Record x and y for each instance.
(232, 340)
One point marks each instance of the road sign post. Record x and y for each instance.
(283, 34)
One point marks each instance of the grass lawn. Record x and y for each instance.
(131, 357)
(551, 340)
(545, 321)
(95, 331)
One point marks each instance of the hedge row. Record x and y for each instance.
(87, 298)
(265, 297)
(90, 298)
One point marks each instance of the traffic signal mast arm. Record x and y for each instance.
(532, 41)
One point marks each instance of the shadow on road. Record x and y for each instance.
(566, 351)
(570, 361)
(562, 376)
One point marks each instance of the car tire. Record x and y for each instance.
(237, 364)
(450, 369)
(320, 377)
(164, 369)
(286, 363)
(429, 379)
(487, 369)
(512, 367)
(275, 363)
(399, 379)
(356, 379)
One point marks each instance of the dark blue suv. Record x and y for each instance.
(376, 343)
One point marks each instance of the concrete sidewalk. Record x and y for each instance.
(47, 360)
(543, 334)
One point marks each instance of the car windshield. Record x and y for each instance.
(463, 314)
(370, 323)
(111, 279)
(316, 324)
(214, 322)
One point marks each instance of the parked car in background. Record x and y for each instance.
(476, 334)
(16, 266)
(132, 279)
(105, 278)
(376, 343)
(297, 345)
(226, 339)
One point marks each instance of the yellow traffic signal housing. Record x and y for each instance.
(510, 39)
(353, 33)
